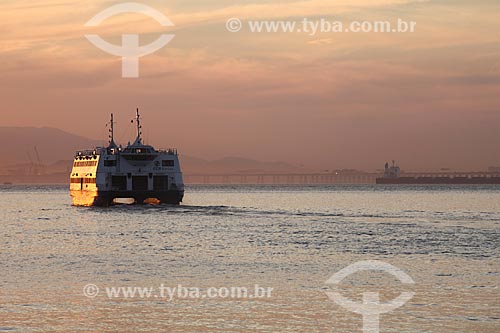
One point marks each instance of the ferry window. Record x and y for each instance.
(85, 164)
(88, 180)
(167, 163)
(160, 183)
(110, 163)
(139, 183)
(119, 183)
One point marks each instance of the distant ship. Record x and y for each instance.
(392, 175)
(138, 172)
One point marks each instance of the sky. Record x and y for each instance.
(428, 99)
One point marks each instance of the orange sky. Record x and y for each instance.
(428, 99)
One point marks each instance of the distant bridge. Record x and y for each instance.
(261, 178)
(317, 178)
(282, 178)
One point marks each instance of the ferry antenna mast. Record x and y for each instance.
(112, 132)
(138, 123)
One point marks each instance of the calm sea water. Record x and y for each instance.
(291, 239)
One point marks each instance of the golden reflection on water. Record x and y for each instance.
(88, 198)
(83, 198)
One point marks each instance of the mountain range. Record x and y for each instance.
(23, 148)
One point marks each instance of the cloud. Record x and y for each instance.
(287, 9)
(323, 41)
(35, 22)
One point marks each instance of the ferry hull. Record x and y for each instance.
(106, 198)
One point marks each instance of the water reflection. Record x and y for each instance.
(288, 238)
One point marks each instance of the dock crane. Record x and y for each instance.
(37, 168)
(31, 169)
(40, 166)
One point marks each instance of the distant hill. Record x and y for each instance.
(56, 149)
(52, 144)
(234, 165)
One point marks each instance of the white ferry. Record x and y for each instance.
(138, 173)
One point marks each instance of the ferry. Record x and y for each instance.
(138, 173)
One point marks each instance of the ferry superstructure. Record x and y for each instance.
(139, 172)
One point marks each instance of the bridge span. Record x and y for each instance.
(281, 178)
(318, 178)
